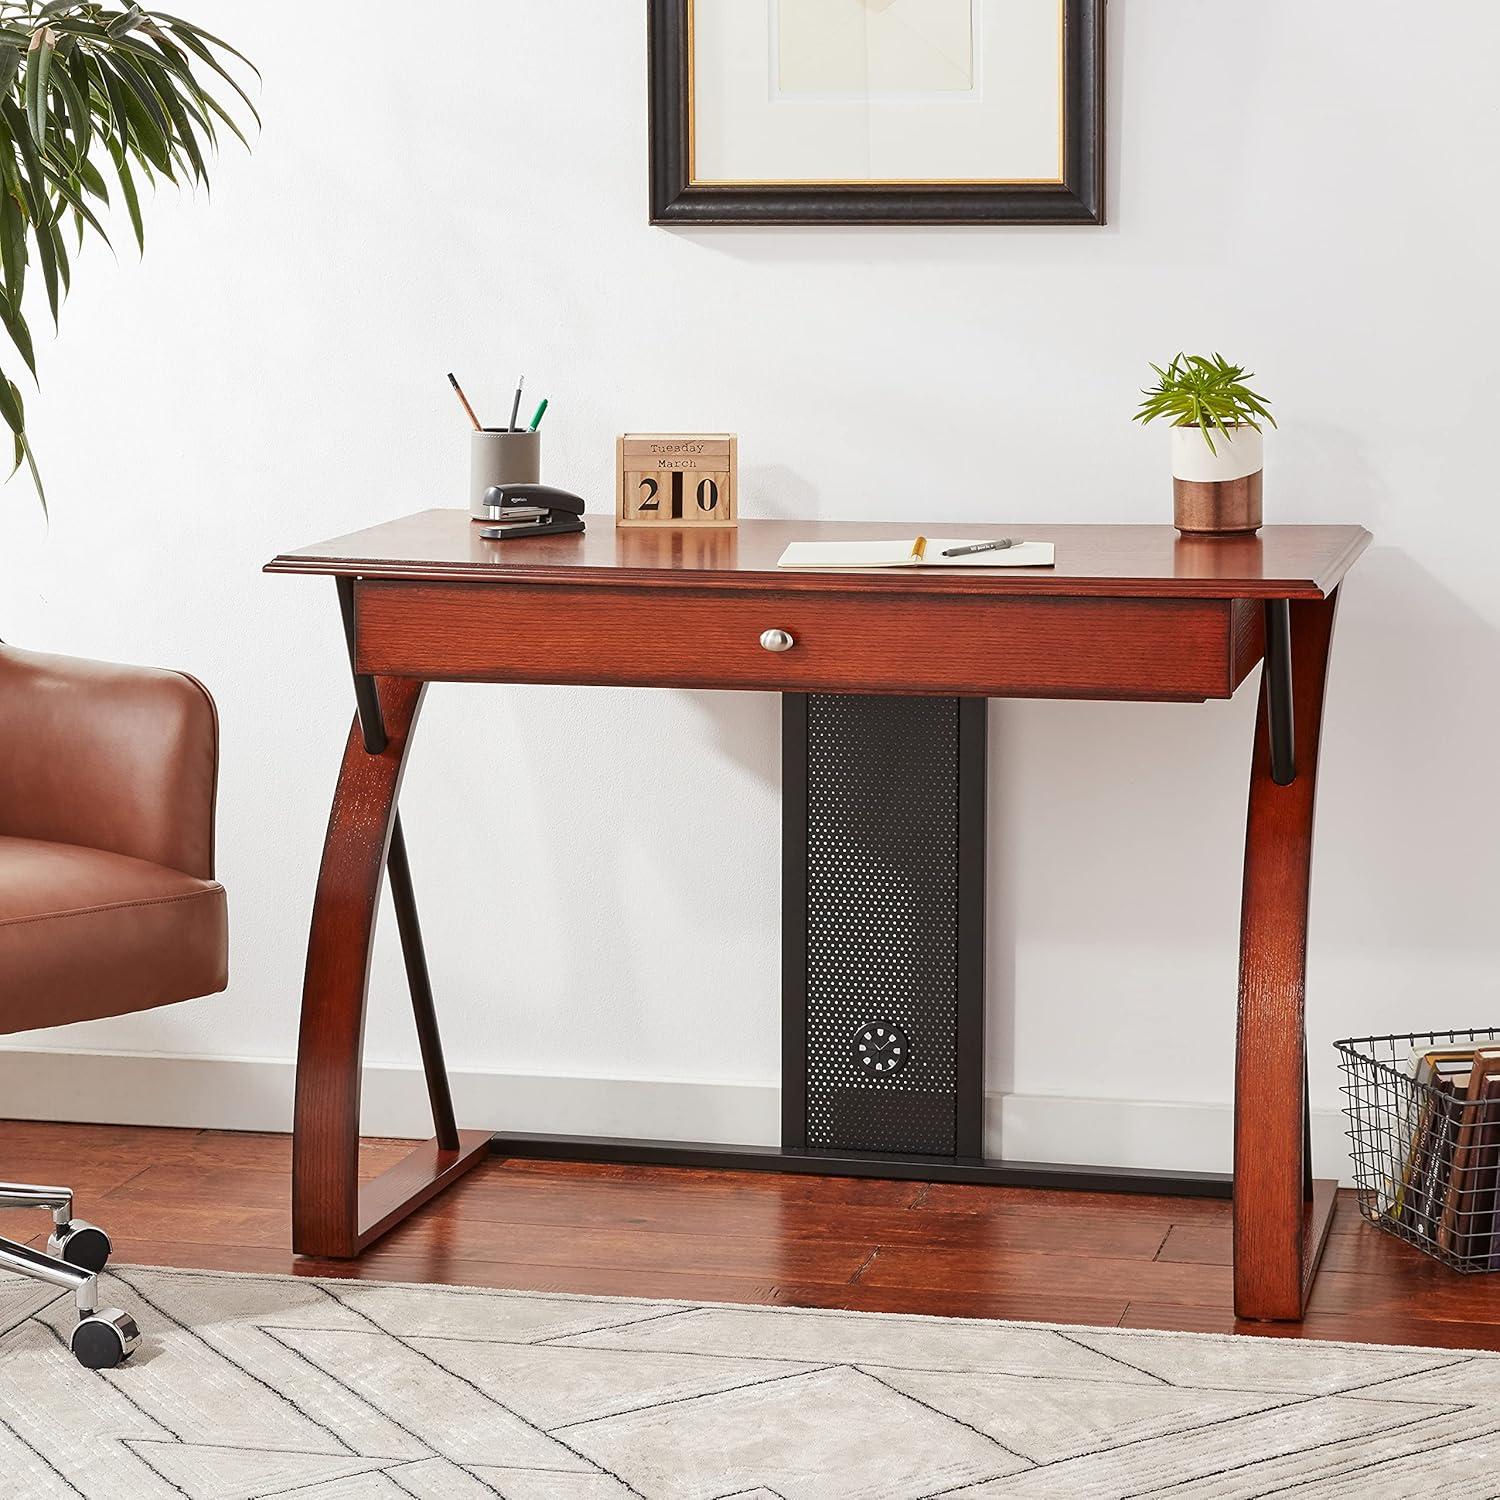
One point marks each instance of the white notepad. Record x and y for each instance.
(900, 553)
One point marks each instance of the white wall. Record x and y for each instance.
(1306, 187)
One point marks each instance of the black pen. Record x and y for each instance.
(1000, 546)
(515, 411)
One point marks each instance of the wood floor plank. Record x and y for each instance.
(770, 1256)
(1350, 1248)
(1428, 1289)
(583, 1281)
(427, 1237)
(131, 1147)
(1048, 1273)
(955, 1197)
(661, 1207)
(788, 1186)
(223, 1223)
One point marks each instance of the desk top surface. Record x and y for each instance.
(1281, 562)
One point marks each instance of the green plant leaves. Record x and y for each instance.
(38, 71)
(95, 95)
(1207, 392)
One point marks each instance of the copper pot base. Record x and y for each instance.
(1221, 507)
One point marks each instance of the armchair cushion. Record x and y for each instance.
(123, 759)
(85, 933)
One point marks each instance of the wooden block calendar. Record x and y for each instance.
(677, 479)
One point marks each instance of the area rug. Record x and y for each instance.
(248, 1387)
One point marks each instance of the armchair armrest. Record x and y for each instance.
(109, 757)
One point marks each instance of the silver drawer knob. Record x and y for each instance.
(776, 640)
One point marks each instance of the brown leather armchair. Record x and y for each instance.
(108, 902)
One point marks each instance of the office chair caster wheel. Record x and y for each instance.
(105, 1339)
(81, 1244)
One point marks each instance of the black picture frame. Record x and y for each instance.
(676, 201)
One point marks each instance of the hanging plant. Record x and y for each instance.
(95, 101)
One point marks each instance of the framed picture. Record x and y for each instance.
(877, 111)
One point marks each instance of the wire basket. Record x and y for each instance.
(1426, 1157)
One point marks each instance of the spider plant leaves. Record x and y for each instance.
(12, 249)
(11, 406)
(20, 334)
(123, 23)
(13, 410)
(23, 449)
(181, 27)
(132, 200)
(97, 98)
(82, 212)
(38, 73)
(80, 119)
(1207, 392)
(206, 57)
(139, 88)
(53, 262)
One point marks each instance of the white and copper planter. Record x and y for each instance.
(1217, 493)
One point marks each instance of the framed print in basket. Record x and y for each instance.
(877, 111)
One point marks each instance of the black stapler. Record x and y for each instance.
(530, 510)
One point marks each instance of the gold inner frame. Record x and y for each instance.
(856, 182)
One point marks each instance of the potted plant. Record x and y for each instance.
(93, 98)
(1218, 447)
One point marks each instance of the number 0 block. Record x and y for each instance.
(677, 479)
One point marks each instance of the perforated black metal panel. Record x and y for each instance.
(882, 894)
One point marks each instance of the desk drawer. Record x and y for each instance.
(906, 642)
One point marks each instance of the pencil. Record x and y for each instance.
(515, 411)
(458, 390)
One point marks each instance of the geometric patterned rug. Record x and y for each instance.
(248, 1387)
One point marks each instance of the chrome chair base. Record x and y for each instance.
(76, 1252)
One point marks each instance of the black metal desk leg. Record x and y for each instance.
(419, 982)
(1280, 718)
(403, 896)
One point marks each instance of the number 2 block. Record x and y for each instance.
(643, 497)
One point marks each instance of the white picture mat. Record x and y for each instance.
(874, 47)
(1007, 128)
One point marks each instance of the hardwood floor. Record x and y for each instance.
(221, 1201)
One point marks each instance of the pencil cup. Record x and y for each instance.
(501, 457)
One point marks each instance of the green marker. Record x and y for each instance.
(541, 412)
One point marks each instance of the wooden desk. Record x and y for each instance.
(887, 678)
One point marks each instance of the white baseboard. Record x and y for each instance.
(216, 1093)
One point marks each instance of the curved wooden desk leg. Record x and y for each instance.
(330, 1214)
(1279, 1224)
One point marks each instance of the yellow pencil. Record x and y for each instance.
(458, 390)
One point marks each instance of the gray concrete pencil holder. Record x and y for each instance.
(497, 456)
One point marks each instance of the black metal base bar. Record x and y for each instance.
(813, 1162)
